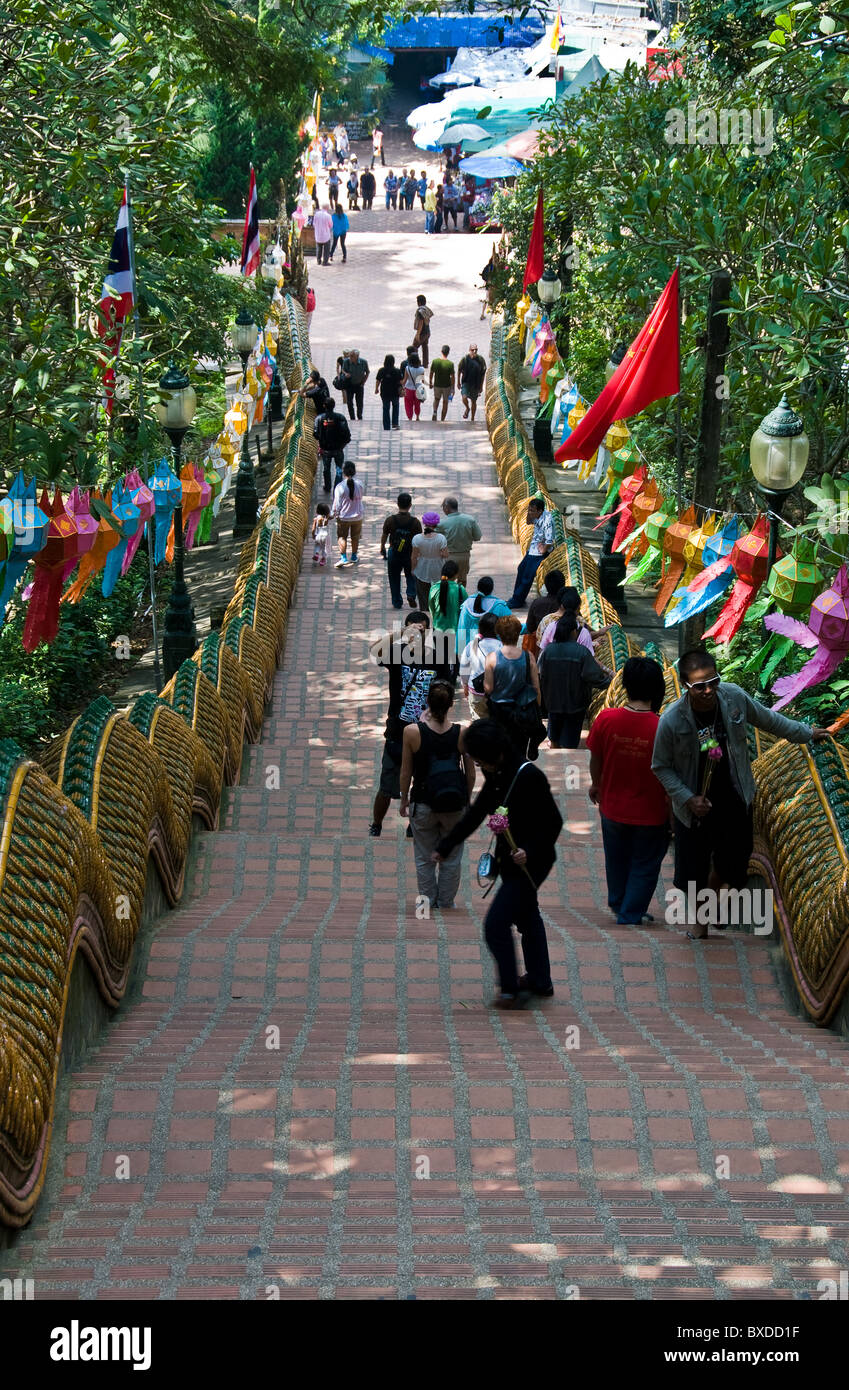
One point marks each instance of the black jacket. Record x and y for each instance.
(567, 675)
(332, 432)
(535, 820)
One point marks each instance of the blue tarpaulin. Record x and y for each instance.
(463, 31)
(375, 52)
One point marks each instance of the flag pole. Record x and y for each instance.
(157, 672)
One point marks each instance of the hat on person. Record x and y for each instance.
(430, 518)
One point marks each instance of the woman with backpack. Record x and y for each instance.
(511, 684)
(472, 662)
(348, 510)
(388, 386)
(522, 862)
(478, 603)
(437, 779)
(414, 390)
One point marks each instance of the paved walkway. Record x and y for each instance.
(311, 1097)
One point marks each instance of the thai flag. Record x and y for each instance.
(250, 240)
(116, 299)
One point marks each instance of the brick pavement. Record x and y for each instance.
(305, 1051)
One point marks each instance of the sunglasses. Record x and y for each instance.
(702, 687)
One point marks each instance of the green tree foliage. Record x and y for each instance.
(777, 218)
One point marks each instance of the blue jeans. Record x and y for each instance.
(396, 565)
(430, 218)
(525, 575)
(516, 903)
(633, 855)
(390, 407)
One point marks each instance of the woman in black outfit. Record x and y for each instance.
(535, 823)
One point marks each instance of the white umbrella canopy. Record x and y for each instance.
(456, 133)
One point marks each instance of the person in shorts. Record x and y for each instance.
(442, 381)
(471, 371)
(348, 510)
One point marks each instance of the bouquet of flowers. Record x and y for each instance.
(499, 824)
(708, 744)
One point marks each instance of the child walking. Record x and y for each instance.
(320, 529)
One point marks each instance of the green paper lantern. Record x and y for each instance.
(796, 579)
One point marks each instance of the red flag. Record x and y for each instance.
(250, 239)
(536, 247)
(649, 370)
(116, 299)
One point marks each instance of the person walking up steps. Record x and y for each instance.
(437, 780)
(430, 550)
(511, 683)
(390, 184)
(430, 208)
(377, 146)
(353, 187)
(413, 387)
(333, 189)
(441, 382)
(471, 371)
(332, 432)
(534, 824)
(568, 675)
(421, 188)
(477, 605)
(445, 600)
(399, 531)
(355, 374)
(461, 532)
(388, 386)
(320, 531)
(473, 662)
(410, 660)
(348, 510)
(421, 328)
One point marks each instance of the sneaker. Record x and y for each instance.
(509, 1001)
(341, 562)
(374, 830)
(322, 561)
(315, 559)
(355, 559)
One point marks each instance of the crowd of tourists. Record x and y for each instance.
(480, 683)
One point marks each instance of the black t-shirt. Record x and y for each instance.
(399, 530)
(721, 789)
(539, 609)
(389, 381)
(474, 371)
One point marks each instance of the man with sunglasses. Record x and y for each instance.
(702, 742)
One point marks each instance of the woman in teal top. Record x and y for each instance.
(473, 609)
(445, 600)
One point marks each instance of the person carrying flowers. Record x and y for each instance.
(525, 822)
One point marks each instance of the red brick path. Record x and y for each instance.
(312, 1098)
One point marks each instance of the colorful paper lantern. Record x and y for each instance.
(167, 491)
(795, 580)
(60, 547)
(749, 562)
(85, 527)
(647, 501)
(672, 563)
(191, 490)
(714, 579)
(25, 532)
(141, 497)
(107, 538)
(203, 503)
(827, 629)
(656, 526)
(629, 491)
(693, 561)
(128, 517)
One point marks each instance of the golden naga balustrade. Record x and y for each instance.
(801, 844)
(119, 790)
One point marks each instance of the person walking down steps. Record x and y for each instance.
(348, 510)
(333, 434)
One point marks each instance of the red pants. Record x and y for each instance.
(412, 403)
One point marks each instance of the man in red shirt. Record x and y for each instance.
(633, 804)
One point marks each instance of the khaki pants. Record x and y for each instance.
(479, 705)
(440, 397)
(437, 882)
(462, 562)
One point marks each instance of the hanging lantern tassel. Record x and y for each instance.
(203, 502)
(693, 558)
(655, 531)
(42, 621)
(167, 491)
(141, 497)
(191, 502)
(128, 517)
(85, 525)
(827, 629)
(629, 491)
(714, 579)
(674, 541)
(107, 538)
(25, 531)
(749, 561)
(623, 464)
(646, 502)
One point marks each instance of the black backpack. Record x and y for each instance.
(444, 786)
(401, 538)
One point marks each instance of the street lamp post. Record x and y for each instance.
(247, 502)
(778, 453)
(549, 290)
(175, 411)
